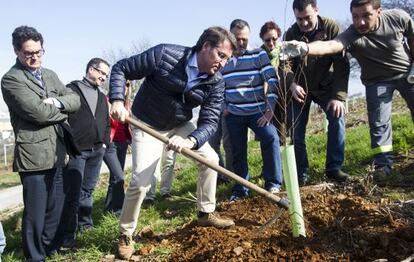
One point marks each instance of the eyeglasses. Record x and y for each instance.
(100, 71)
(274, 39)
(28, 55)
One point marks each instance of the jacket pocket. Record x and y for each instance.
(29, 136)
(32, 150)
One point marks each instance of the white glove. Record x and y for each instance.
(410, 77)
(294, 48)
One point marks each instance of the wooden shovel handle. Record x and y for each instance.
(281, 202)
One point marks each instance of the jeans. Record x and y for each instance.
(379, 105)
(81, 176)
(215, 142)
(269, 144)
(121, 152)
(43, 201)
(114, 159)
(299, 114)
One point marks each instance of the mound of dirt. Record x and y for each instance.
(341, 225)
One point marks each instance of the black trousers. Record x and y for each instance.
(114, 159)
(43, 199)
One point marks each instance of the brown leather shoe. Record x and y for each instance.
(125, 246)
(213, 219)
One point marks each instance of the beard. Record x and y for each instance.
(239, 51)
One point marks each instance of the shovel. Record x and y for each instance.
(281, 202)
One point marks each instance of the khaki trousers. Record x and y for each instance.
(146, 154)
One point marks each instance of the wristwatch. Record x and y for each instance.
(192, 139)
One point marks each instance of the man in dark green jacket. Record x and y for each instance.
(323, 80)
(38, 103)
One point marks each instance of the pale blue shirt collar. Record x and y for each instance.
(193, 74)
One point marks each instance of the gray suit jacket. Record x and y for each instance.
(36, 125)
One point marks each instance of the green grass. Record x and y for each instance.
(101, 240)
(357, 152)
(403, 137)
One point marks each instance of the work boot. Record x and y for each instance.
(125, 246)
(213, 219)
(337, 175)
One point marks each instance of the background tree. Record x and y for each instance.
(406, 5)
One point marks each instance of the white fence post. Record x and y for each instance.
(5, 154)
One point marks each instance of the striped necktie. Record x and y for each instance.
(38, 75)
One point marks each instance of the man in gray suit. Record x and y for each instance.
(38, 103)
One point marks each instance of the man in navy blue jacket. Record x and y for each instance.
(177, 79)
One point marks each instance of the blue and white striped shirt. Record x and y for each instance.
(245, 77)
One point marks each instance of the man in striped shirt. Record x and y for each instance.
(248, 105)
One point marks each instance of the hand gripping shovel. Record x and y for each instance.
(281, 202)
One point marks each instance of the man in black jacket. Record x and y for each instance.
(323, 80)
(91, 130)
(177, 79)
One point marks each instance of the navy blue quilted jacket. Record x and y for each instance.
(161, 101)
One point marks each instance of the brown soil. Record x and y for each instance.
(346, 223)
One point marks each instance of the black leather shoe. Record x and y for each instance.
(148, 202)
(69, 245)
(337, 175)
(167, 196)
